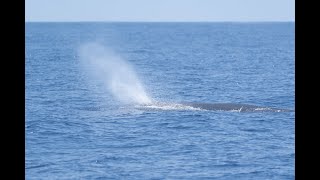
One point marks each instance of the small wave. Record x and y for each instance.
(38, 166)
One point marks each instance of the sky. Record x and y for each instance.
(159, 10)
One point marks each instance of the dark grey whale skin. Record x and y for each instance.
(235, 107)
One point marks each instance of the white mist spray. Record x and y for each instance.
(117, 74)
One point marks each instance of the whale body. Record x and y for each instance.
(235, 107)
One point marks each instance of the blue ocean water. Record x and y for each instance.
(77, 127)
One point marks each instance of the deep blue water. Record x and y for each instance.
(77, 129)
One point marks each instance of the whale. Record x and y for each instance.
(234, 107)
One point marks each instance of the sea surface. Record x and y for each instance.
(78, 126)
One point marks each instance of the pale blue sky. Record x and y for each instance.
(160, 10)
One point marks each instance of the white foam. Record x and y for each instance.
(167, 106)
(262, 109)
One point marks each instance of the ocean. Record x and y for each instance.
(106, 100)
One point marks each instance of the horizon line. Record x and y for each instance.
(262, 21)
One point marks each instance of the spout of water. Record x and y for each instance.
(118, 76)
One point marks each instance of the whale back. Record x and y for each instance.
(235, 107)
